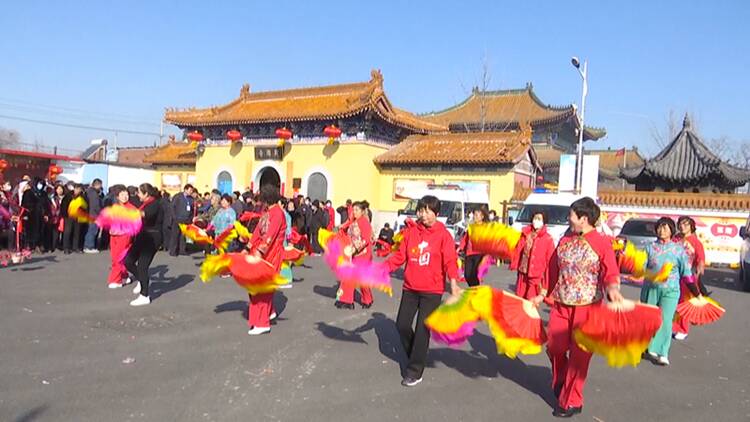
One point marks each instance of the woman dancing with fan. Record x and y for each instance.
(697, 259)
(119, 242)
(267, 242)
(360, 234)
(429, 253)
(473, 258)
(582, 269)
(145, 243)
(531, 258)
(665, 295)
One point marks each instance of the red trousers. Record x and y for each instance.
(347, 294)
(118, 249)
(527, 288)
(261, 308)
(570, 364)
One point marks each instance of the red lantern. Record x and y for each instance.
(332, 132)
(283, 134)
(53, 171)
(195, 136)
(234, 135)
(3, 165)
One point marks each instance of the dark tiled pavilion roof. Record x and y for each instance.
(687, 162)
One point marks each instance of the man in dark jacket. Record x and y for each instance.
(182, 208)
(166, 230)
(94, 199)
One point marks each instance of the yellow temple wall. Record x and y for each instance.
(348, 168)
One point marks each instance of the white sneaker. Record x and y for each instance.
(272, 317)
(137, 288)
(663, 360)
(259, 330)
(680, 336)
(114, 285)
(286, 286)
(140, 301)
(653, 356)
(127, 281)
(90, 251)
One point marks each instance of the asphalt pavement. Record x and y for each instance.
(73, 350)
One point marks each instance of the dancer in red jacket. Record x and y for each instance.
(119, 244)
(582, 269)
(267, 242)
(360, 233)
(532, 256)
(430, 257)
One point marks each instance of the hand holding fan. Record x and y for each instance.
(453, 322)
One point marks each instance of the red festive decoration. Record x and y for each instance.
(195, 136)
(234, 135)
(3, 165)
(332, 132)
(283, 134)
(53, 171)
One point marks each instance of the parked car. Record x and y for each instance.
(639, 231)
(744, 273)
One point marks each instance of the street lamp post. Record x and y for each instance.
(579, 158)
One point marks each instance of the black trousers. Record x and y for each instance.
(177, 245)
(141, 255)
(415, 342)
(471, 268)
(71, 235)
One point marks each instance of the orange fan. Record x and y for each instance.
(619, 331)
(700, 310)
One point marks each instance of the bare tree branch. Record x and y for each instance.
(9, 137)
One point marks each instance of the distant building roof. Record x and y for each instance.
(506, 110)
(687, 163)
(304, 104)
(172, 153)
(133, 155)
(610, 161)
(488, 148)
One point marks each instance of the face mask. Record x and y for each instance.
(537, 224)
(39, 186)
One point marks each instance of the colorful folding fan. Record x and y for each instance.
(214, 265)
(362, 273)
(700, 310)
(196, 234)
(335, 246)
(225, 238)
(293, 255)
(77, 209)
(635, 261)
(453, 322)
(514, 322)
(494, 239)
(620, 332)
(120, 219)
(254, 274)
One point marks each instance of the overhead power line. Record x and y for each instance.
(11, 101)
(108, 129)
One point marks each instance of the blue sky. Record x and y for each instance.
(124, 61)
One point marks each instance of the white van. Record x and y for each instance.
(455, 204)
(555, 205)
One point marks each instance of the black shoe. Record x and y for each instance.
(567, 413)
(410, 382)
(342, 305)
(366, 305)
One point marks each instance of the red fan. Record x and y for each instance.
(700, 310)
(291, 254)
(619, 331)
(520, 317)
(254, 274)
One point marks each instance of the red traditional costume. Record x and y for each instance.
(360, 233)
(697, 259)
(472, 260)
(531, 260)
(580, 269)
(268, 240)
(119, 245)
